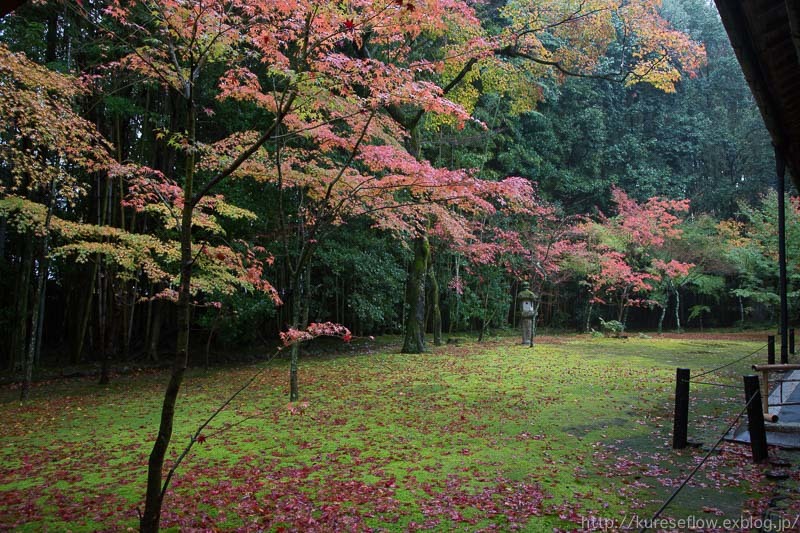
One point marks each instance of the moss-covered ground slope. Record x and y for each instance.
(466, 437)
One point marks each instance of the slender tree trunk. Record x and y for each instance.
(661, 317)
(414, 340)
(38, 299)
(436, 313)
(23, 299)
(484, 318)
(589, 317)
(211, 332)
(454, 322)
(155, 333)
(126, 349)
(300, 284)
(31, 354)
(3, 237)
(41, 300)
(154, 496)
(677, 309)
(87, 311)
(741, 312)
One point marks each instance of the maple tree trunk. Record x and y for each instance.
(414, 340)
(154, 496)
(661, 318)
(299, 321)
(677, 310)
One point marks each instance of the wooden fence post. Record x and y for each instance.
(771, 350)
(755, 418)
(681, 421)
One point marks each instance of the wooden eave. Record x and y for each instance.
(7, 6)
(765, 35)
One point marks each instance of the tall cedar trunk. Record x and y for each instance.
(30, 357)
(155, 333)
(41, 299)
(38, 300)
(436, 313)
(154, 497)
(87, 310)
(22, 298)
(104, 299)
(414, 341)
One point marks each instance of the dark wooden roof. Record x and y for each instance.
(766, 37)
(7, 6)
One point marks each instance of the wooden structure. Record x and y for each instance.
(765, 35)
(7, 6)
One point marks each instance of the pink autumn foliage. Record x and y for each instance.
(650, 223)
(672, 269)
(314, 330)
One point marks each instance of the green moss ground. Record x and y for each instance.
(468, 437)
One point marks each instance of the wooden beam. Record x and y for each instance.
(7, 6)
(793, 11)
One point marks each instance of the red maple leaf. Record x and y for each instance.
(200, 439)
(349, 24)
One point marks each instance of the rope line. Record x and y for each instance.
(731, 363)
(711, 384)
(697, 467)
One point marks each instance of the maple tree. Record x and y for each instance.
(300, 43)
(624, 247)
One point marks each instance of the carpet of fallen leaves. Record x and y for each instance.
(572, 435)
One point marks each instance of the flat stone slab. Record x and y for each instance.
(785, 433)
(784, 440)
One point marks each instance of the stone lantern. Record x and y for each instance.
(525, 299)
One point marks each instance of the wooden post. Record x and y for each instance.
(765, 396)
(755, 418)
(791, 341)
(681, 421)
(780, 174)
(771, 350)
